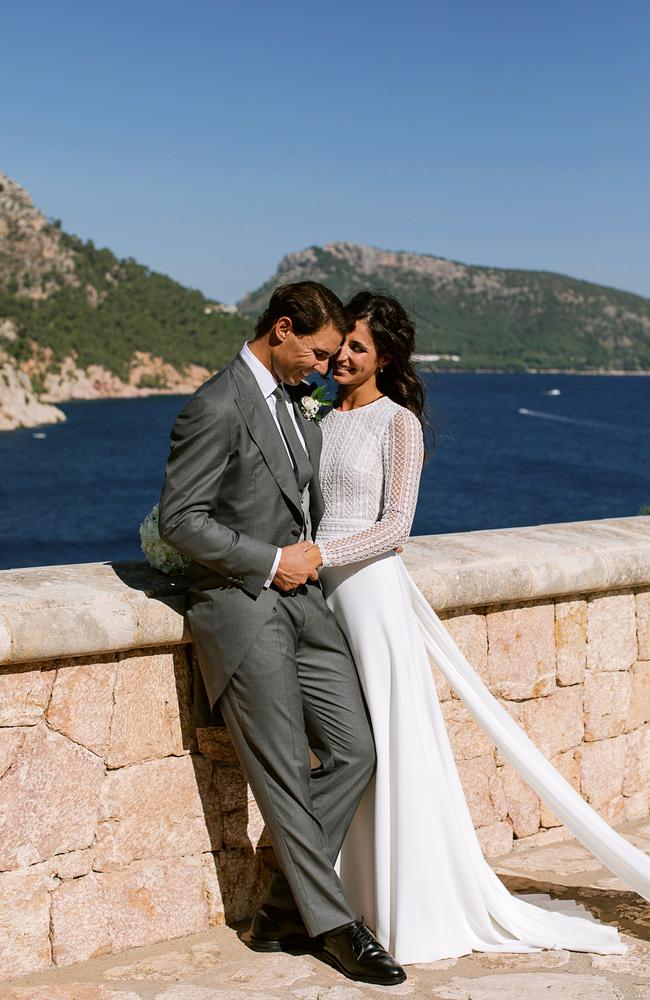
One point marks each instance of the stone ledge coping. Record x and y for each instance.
(54, 612)
(511, 565)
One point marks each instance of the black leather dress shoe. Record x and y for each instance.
(356, 953)
(273, 929)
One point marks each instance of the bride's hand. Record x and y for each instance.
(313, 553)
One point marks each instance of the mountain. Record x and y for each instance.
(77, 322)
(493, 318)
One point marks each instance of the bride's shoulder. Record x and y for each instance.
(400, 416)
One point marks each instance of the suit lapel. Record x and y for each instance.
(262, 429)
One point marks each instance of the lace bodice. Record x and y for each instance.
(369, 472)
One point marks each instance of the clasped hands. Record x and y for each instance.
(298, 563)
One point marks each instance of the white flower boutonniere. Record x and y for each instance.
(311, 406)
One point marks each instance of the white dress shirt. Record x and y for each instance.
(268, 384)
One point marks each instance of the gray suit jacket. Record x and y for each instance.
(230, 499)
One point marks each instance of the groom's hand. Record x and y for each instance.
(296, 566)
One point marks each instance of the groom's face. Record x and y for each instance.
(294, 357)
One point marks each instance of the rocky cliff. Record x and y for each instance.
(76, 322)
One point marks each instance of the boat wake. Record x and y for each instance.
(563, 420)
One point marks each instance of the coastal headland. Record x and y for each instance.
(76, 322)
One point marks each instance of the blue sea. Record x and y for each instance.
(510, 451)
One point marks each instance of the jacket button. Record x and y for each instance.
(295, 532)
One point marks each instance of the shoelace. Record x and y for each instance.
(361, 938)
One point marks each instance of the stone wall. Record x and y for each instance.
(120, 824)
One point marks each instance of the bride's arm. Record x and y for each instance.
(403, 453)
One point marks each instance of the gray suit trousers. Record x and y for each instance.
(297, 688)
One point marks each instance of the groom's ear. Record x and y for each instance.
(282, 329)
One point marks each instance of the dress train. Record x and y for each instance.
(411, 862)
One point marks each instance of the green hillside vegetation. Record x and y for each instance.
(118, 307)
(82, 302)
(493, 318)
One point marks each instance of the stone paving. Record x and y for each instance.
(217, 965)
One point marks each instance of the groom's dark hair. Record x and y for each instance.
(308, 304)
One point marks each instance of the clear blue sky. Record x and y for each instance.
(207, 139)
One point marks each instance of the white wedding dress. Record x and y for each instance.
(411, 862)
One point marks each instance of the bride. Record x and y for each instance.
(411, 862)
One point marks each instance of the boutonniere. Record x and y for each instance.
(311, 406)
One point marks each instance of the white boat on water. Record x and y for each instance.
(552, 392)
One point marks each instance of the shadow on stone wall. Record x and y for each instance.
(241, 861)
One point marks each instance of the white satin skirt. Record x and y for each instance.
(411, 863)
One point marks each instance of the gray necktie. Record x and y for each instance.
(301, 465)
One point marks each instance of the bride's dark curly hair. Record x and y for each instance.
(394, 335)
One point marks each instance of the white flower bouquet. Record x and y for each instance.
(159, 554)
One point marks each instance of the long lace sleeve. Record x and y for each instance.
(402, 453)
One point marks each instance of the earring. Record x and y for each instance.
(381, 369)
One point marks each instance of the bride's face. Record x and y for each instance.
(357, 361)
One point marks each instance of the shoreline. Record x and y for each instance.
(432, 370)
(132, 392)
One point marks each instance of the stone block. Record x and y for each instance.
(602, 769)
(177, 964)
(205, 771)
(81, 705)
(71, 865)
(443, 687)
(625, 809)
(256, 830)
(570, 641)
(635, 962)
(146, 720)
(611, 632)
(515, 710)
(522, 803)
(111, 911)
(232, 788)
(150, 810)
(467, 738)
(639, 712)
(555, 724)
(216, 744)
(73, 991)
(469, 632)
(483, 790)
(637, 764)
(243, 877)
(49, 799)
(212, 891)
(643, 624)
(551, 959)
(24, 921)
(567, 765)
(495, 840)
(11, 742)
(637, 806)
(24, 693)
(521, 651)
(606, 704)
(531, 985)
(235, 830)
(614, 812)
(79, 922)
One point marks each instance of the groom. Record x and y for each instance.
(242, 500)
